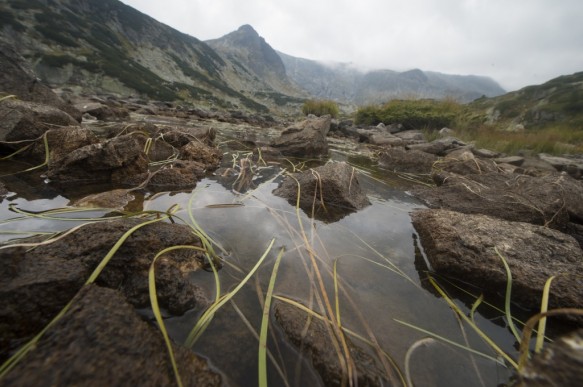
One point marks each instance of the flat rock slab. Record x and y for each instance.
(410, 161)
(332, 191)
(464, 246)
(101, 341)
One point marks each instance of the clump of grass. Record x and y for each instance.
(412, 114)
(320, 108)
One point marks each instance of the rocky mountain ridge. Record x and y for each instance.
(109, 47)
(346, 83)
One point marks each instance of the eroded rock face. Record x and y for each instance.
(197, 151)
(464, 246)
(29, 120)
(101, 341)
(17, 78)
(304, 139)
(36, 284)
(314, 339)
(179, 175)
(333, 190)
(559, 364)
(120, 160)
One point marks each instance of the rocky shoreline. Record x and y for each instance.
(483, 205)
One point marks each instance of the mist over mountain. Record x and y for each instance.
(348, 84)
(108, 47)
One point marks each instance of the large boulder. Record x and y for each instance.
(559, 364)
(552, 200)
(61, 142)
(314, 339)
(35, 284)
(22, 121)
(464, 246)
(120, 160)
(102, 341)
(17, 78)
(304, 139)
(332, 191)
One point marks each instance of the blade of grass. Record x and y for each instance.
(265, 323)
(485, 337)
(204, 320)
(475, 306)
(412, 348)
(542, 324)
(156, 307)
(508, 295)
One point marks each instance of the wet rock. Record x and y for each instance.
(35, 284)
(332, 190)
(463, 246)
(179, 175)
(101, 341)
(197, 151)
(559, 364)
(29, 120)
(119, 160)
(61, 142)
(179, 137)
(304, 139)
(435, 148)
(160, 150)
(551, 200)
(18, 78)
(401, 160)
(313, 337)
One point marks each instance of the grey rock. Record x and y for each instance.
(180, 136)
(411, 135)
(463, 162)
(102, 341)
(446, 132)
(463, 246)
(312, 336)
(23, 121)
(412, 161)
(573, 167)
(120, 160)
(485, 153)
(512, 160)
(435, 148)
(385, 139)
(332, 190)
(305, 139)
(559, 364)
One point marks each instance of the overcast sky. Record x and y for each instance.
(516, 42)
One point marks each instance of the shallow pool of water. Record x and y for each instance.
(380, 272)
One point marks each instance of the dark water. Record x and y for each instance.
(380, 271)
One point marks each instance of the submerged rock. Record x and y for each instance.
(304, 139)
(464, 246)
(101, 341)
(559, 364)
(314, 338)
(332, 190)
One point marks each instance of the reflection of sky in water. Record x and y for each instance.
(364, 245)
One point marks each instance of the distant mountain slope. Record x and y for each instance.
(106, 46)
(559, 100)
(345, 83)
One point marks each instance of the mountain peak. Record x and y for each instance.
(247, 29)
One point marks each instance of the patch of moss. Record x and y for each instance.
(7, 18)
(56, 36)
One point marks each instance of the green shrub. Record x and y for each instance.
(412, 114)
(320, 108)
